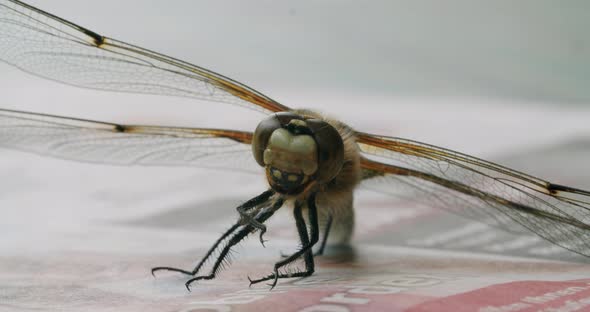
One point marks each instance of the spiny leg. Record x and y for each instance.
(325, 237)
(204, 259)
(256, 201)
(238, 237)
(248, 219)
(306, 248)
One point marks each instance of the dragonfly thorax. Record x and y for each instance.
(297, 151)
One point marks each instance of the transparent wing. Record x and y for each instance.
(477, 189)
(48, 46)
(99, 142)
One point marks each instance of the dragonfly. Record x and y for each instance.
(312, 163)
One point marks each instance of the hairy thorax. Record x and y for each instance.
(335, 198)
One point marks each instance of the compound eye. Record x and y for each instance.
(330, 149)
(265, 129)
(261, 135)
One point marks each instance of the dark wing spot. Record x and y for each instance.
(556, 188)
(98, 39)
(120, 128)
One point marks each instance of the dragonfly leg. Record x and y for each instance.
(256, 201)
(325, 237)
(204, 259)
(305, 251)
(247, 218)
(320, 251)
(235, 239)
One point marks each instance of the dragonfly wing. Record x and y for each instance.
(477, 189)
(48, 46)
(126, 145)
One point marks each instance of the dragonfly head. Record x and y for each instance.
(296, 151)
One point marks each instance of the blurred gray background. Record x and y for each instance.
(532, 50)
(516, 70)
